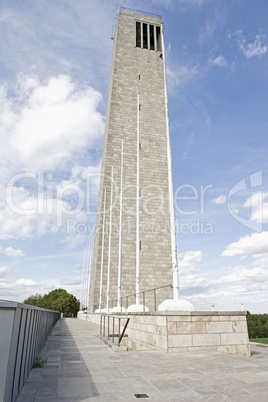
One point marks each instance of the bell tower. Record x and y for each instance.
(135, 242)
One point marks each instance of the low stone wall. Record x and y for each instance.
(223, 331)
(186, 331)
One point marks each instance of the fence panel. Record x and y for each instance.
(24, 330)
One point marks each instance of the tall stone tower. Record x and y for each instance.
(135, 244)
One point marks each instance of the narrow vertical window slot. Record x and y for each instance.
(138, 34)
(140, 192)
(151, 27)
(140, 245)
(158, 39)
(145, 36)
(140, 146)
(139, 77)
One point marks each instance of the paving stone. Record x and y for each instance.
(258, 396)
(25, 398)
(47, 391)
(250, 377)
(99, 374)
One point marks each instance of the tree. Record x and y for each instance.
(34, 300)
(57, 300)
(257, 325)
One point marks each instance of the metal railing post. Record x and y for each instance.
(108, 325)
(123, 332)
(104, 325)
(119, 321)
(113, 329)
(154, 299)
(143, 298)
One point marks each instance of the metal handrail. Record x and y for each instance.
(113, 302)
(143, 295)
(142, 12)
(113, 335)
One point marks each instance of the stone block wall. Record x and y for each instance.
(186, 331)
(147, 332)
(223, 331)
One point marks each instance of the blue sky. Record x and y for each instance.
(54, 79)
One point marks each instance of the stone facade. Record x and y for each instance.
(136, 71)
(185, 331)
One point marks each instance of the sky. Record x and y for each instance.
(54, 79)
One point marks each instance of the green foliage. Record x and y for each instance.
(35, 300)
(257, 325)
(38, 362)
(57, 300)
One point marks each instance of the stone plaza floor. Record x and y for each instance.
(80, 367)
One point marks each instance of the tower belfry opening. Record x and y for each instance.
(138, 252)
(147, 35)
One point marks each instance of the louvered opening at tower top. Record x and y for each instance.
(148, 36)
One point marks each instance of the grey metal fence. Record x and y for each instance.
(24, 330)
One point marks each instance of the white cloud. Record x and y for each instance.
(244, 284)
(23, 288)
(79, 267)
(21, 222)
(10, 252)
(255, 199)
(220, 200)
(76, 239)
(180, 75)
(26, 215)
(261, 261)
(189, 259)
(47, 123)
(56, 39)
(255, 243)
(259, 208)
(257, 48)
(44, 126)
(4, 271)
(25, 282)
(219, 61)
(71, 281)
(244, 274)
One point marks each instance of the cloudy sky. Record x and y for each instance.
(54, 77)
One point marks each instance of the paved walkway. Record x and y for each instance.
(80, 367)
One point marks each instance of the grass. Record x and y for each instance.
(38, 362)
(259, 341)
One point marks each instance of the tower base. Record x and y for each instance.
(137, 308)
(184, 331)
(175, 305)
(118, 309)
